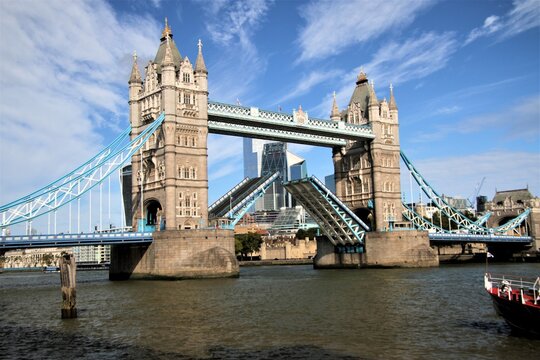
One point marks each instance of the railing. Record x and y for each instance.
(288, 120)
(524, 284)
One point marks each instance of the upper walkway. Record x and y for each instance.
(298, 128)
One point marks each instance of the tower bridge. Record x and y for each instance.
(365, 223)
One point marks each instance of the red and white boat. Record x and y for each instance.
(517, 300)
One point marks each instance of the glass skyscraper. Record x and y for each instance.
(264, 157)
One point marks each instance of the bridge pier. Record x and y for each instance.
(381, 249)
(177, 254)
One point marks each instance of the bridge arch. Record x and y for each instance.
(154, 212)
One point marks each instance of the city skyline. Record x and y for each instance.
(468, 91)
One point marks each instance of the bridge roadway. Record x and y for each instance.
(89, 239)
(68, 240)
(478, 238)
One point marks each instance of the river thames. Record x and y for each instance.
(291, 312)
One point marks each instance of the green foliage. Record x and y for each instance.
(48, 258)
(309, 233)
(441, 220)
(245, 244)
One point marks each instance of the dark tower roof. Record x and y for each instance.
(361, 92)
(177, 58)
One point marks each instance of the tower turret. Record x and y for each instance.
(135, 87)
(373, 104)
(392, 105)
(334, 115)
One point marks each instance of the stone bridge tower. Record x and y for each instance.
(367, 173)
(169, 189)
(173, 168)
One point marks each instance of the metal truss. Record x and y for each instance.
(484, 219)
(224, 128)
(439, 234)
(261, 122)
(335, 219)
(247, 199)
(81, 180)
(454, 215)
(419, 222)
(93, 162)
(219, 202)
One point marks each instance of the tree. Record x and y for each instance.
(247, 243)
(309, 233)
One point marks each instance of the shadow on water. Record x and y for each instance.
(20, 342)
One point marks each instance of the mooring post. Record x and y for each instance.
(67, 280)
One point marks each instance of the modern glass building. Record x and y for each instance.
(263, 157)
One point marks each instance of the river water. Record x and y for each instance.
(291, 312)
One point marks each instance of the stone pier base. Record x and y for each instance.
(177, 254)
(382, 249)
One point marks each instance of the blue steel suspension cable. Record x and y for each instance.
(27, 213)
(60, 181)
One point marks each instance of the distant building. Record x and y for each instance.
(330, 183)
(508, 204)
(290, 220)
(253, 150)
(96, 254)
(458, 203)
(262, 158)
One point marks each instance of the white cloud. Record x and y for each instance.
(396, 63)
(232, 26)
(332, 26)
(413, 59)
(520, 121)
(504, 170)
(224, 156)
(524, 15)
(66, 65)
(307, 82)
(491, 25)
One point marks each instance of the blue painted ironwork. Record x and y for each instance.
(482, 220)
(93, 162)
(76, 183)
(68, 240)
(244, 201)
(335, 219)
(241, 120)
(227, 195)
(478, 238)
(456, 216)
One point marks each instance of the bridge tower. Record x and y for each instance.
(169, 189)
(173, 170)
(367, 173)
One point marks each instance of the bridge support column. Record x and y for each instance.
(177, 254)
(382, 249)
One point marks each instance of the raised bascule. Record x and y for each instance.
(175, 234)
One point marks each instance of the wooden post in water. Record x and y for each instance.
(67, 279)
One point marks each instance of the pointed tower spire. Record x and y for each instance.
(372, 96)
(199, 63)
(334, 115)
(168, 58)
(135, 74)
(392, 104)
(166, 31)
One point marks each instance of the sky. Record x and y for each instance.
(466, 77)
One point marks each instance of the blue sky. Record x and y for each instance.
(466, 76)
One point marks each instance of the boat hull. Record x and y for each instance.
(522, 318)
